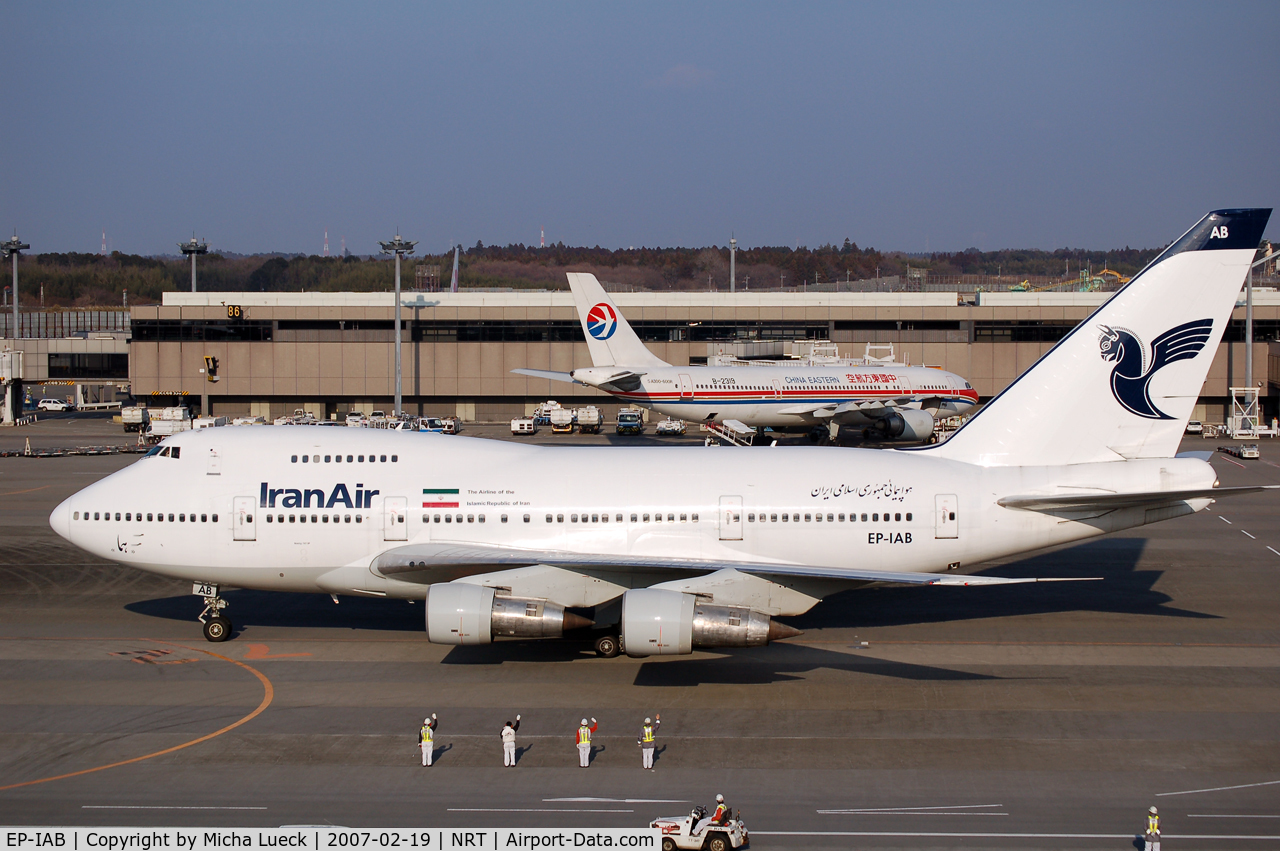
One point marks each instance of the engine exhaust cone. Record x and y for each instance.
(779, 631)
(572, 621)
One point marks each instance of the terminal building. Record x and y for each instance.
(330, 353)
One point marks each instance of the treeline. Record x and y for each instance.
(85, 280)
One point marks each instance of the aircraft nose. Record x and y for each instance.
(60, 519)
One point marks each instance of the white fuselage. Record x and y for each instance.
(239, 507)
(780, 396)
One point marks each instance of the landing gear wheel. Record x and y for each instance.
(668, 844)
(217, 629)
(607, 646)
(718, 843)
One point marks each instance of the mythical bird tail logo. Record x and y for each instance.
(1133, 371)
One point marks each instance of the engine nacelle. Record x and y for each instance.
(462, 613)
(908, 424)
(660, 622)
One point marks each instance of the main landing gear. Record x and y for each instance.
(217, 626)
(608, 646)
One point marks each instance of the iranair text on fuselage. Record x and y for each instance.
(340, 495)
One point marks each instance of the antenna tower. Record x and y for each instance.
(543, 237)
(104, 242)
(326, 242)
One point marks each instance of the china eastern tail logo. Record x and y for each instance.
(601, 321)
(1131, 377)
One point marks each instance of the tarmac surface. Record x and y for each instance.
(1030, 716)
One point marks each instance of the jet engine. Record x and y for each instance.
(461, 613)
(659, 622)
(907, 424)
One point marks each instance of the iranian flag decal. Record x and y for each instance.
(439, 497)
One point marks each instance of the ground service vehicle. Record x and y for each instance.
(135, 418)
(630, 422)
(1195, 427)
(671, 426)
(589, 419)
(682, 832)
(561, 420)
(434, 424)
(53, 405)
(524, 425)
(451, 425)
(1248, 451)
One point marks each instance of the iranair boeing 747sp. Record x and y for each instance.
(668, 549)
(896, 401)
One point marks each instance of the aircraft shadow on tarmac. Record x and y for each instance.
(1125, 589)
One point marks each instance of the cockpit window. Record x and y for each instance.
(164, 451)
(174, 452)
(155, 450)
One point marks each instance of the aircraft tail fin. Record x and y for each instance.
(610, 339)
(1123, 383)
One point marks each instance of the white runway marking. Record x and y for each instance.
(1219, 788)
(122, 807)
(1225, 520)
(1243, 532)
(613, 801)
(918, 811)
(527, 810)
(1216, 815)
(1273, 549)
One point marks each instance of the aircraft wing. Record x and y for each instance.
(1112, 501)
(545, 373)
(439, 562)
(870, 407)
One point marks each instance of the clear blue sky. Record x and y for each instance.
(905, 126)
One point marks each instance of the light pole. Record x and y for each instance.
(191, 249)
(733, 256)
(11, 250)
(399, 247)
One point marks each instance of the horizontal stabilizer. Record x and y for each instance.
(545, 373)
(1113, 501)
(426, 563)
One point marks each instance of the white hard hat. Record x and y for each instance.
(584, 722)
(648, 720)
(426, 720)
(1152, 810)
(719, 799)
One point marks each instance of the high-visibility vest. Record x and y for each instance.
(648, 734)
(426, 733)
(1153, 824)
(584, 735)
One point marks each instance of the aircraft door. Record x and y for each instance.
(945, 524)
(777, 389)
(395, 518)
(686, 387)
(242, 510)
(213, 462)
(731, 518)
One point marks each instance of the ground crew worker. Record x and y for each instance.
(584, 742)
(509, 743)
(426, 738)
(1153, 830)
(646, 741)
(719, 817)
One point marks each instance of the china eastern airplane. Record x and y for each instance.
(897, 401)
(667, 549)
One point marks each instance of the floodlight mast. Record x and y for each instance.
(191, 249)
(399, 247)
(11, 250)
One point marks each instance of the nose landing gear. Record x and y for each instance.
(217, 626)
